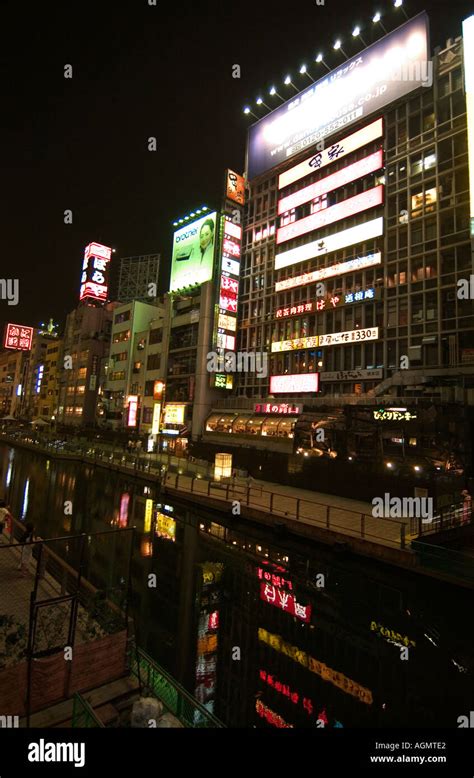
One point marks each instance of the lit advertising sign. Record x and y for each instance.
(193, 253)
(165, 527)
(18, 337)
(230, 266)
(295, 310)
(380, 74)
(174, 414)
(223, 381)
(297, 343)
(235, 187)
(132, 402)
(351, 336)
(285, 601)
(343, 210)
(228, 303)
(229, 285)
(325, 304)
(352, 375)
(95, 272)
(235, 230)
(226, 342)
(289, 384)
(329, 184)
(339, 150)
(468, 44)
(158, 387)
(280, 409)
(227, 322)
(155, 424)
(340, 240)
(358, 263)
(231, 247)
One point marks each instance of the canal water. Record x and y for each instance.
(265, 629)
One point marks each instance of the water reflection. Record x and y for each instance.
(264, 629)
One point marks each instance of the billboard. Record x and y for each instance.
(235, 187)
(358, 263)
(18, 337)
(339, 240)
(192, 259)
(323, 218)
(383, 72)
(339, 150)
(95, 272)
(289, 384)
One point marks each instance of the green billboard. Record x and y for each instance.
(192, 260)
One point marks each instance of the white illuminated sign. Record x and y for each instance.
(155, 424)
(132, 401)
(174, 414)
(340, 338)
(350, 173)
(343, 210)
(358, 263)
(231, 266)
(294, 345)
(468, 41)
(380, 74)
(338, 150)
(340, 240)
(232, 229)
(289, 384)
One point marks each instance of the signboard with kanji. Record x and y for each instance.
(18, 337)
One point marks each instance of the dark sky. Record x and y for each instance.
(140, 71)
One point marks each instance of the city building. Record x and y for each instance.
(85, 345)
(12, 366)
(358, 247)
(49, 388)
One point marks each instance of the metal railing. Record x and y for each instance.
(83, 715)
(156, 681)
(342, 520)
(447, 518)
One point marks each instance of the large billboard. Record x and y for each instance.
(385, 71)
(192, 260)
(18, 337)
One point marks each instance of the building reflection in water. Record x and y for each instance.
(265, 629)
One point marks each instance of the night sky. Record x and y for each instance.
(140, 71)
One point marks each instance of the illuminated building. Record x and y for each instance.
(384, 206)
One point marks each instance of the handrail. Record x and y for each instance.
(83, 714)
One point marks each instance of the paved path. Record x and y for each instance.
(339, 514)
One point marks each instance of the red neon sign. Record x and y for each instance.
(343, 210)
(286, 602)
(284, 689)
(270, 715)
(18, 337)
(230, 285)
(351, 173)
(282, 409)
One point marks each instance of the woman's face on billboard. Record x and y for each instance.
(205, 237)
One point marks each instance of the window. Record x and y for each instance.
(82, 372)
(121, 317)
(118, 375)
(156, 335)
(153, 362)
(120, 337)
(147, 415)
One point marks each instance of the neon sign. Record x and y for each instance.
(132, 401)
(340, 680)
(351, 336)
(393, 414)
(282, 409)
(369, 164)
(339, 269)
(18, 337)
(295, 344)
(273, 718)
(94, 279)
(342, 210)
(286, 602)
(317, 161)
(322, 246)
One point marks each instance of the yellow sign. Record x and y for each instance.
(344, 683)
(165, 527)
(155, 424)
(391, 635)
(174, 414)
(148, 515)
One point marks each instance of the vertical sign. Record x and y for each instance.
(225, 317)
(132, 401)
(95, 273)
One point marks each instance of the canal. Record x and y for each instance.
(265, 629)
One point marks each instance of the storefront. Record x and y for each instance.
(249, 425)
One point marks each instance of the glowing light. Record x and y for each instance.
(356, 32)
(24, 508)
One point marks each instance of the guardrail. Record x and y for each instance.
(83, 715)
(444, 560)
(155, 680)
(330, 517)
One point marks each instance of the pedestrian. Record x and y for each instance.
(27, 548)
(4, 515)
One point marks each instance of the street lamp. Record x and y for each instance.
(248, 111)
(357, 34)
(338, 46)
(272, 91)
(289, 82)
(304, 72)
(319, 59)
(259, 101)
